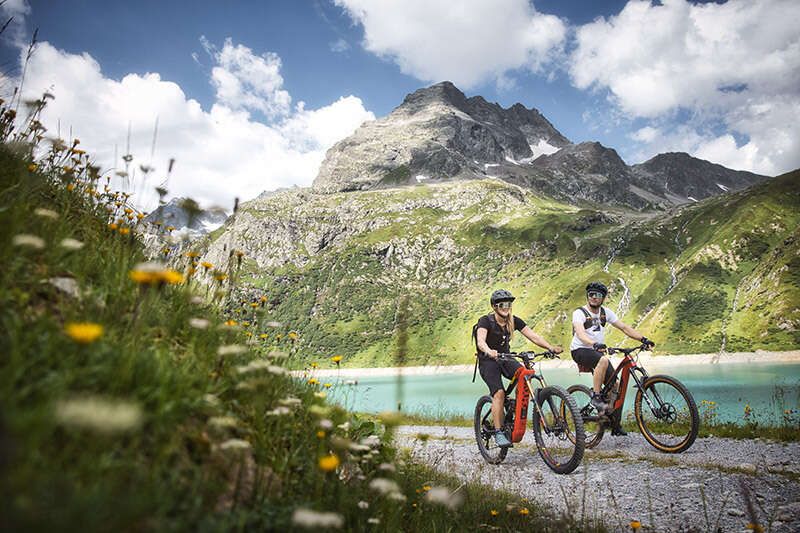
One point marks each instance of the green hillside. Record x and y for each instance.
(335, 266)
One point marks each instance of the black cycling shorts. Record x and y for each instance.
(491, 369)
(589, 358)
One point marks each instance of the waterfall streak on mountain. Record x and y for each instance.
(625, 301)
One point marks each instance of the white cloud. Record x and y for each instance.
(647, 134)
(14, 12)
(466, 42)
(340, 45)
(221, 153)
(738, 63)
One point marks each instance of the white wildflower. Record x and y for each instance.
(325, 424)
(443, 496)
(321, 394)
(223, 422)
(211, 399)
(253, 366)
(196, 300)
(235, 444)
(383, 485)
(313, 519)
(358, 447)
(396, 496)
(71, 244)
(231, 349)
(344, 426)
(290, 401)
(363, 505)
(274, 324)
(387, 467)
(199, 323)
(45, 213)
(373, 441)
(31, 241)
(279, 411)
(103, 415)
(278, 370)
(373, 521)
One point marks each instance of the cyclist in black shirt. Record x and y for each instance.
(494, 336)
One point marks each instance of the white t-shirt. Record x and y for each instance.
(595, 331)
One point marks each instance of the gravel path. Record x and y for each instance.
(702, 489)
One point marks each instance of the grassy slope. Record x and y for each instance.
(345, 299)
(171, 471)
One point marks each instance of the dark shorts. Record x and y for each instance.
(588, 358)
(491, 369)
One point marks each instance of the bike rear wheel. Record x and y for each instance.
(668, 416)
(593, 428)
(558, 429)
(484, 432)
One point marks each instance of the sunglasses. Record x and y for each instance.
(503, 305)
(595, 294)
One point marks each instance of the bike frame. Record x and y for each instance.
(521, 383)
(627, 368)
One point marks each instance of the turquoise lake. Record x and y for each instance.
(769, 389)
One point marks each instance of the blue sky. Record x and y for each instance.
(642, 78)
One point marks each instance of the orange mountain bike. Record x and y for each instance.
(664, 408)
(557, 423)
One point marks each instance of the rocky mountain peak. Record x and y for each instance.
(441, 93)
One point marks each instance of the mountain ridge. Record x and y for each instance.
(438, 133)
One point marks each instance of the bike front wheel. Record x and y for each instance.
(558, 429)
(593, 426)
(484, 432)
(666, 414)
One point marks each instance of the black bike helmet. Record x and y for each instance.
(501, 295)
(597, 286)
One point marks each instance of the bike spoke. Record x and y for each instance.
(666, 415)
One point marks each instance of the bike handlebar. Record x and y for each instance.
(527, 355)
(627, 351)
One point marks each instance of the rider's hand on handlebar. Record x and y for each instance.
(599, 346)
(557, 350)
(648, 343)
(492, 354)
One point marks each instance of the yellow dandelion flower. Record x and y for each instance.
(70, 186)
(263, 298)
(327, 385)
(192, 254)
(254, 304)
(313, 381)
(329, 463)
(246, 323)
(83, 332)
(635, 525)
(524, 511)
(170, 228)
(124, 231)
(173, 277)
(191, 270)
(141, 277)
(263, 336)
(140, 216)
(206, 265)
(494, 512)
(32, 167)
(314, 365)
(128, 211)
(754, 527)
(113, 226)
(219, 276)
(426, 488)
(320, 434)
(230, 323)
(292, 335)
(336, 359)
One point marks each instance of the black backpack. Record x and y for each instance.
(588, 322)
(475, 342)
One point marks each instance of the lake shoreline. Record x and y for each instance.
(655, 361)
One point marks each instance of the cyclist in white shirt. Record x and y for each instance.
(588, 342)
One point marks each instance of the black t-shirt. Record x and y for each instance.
(497, 337)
